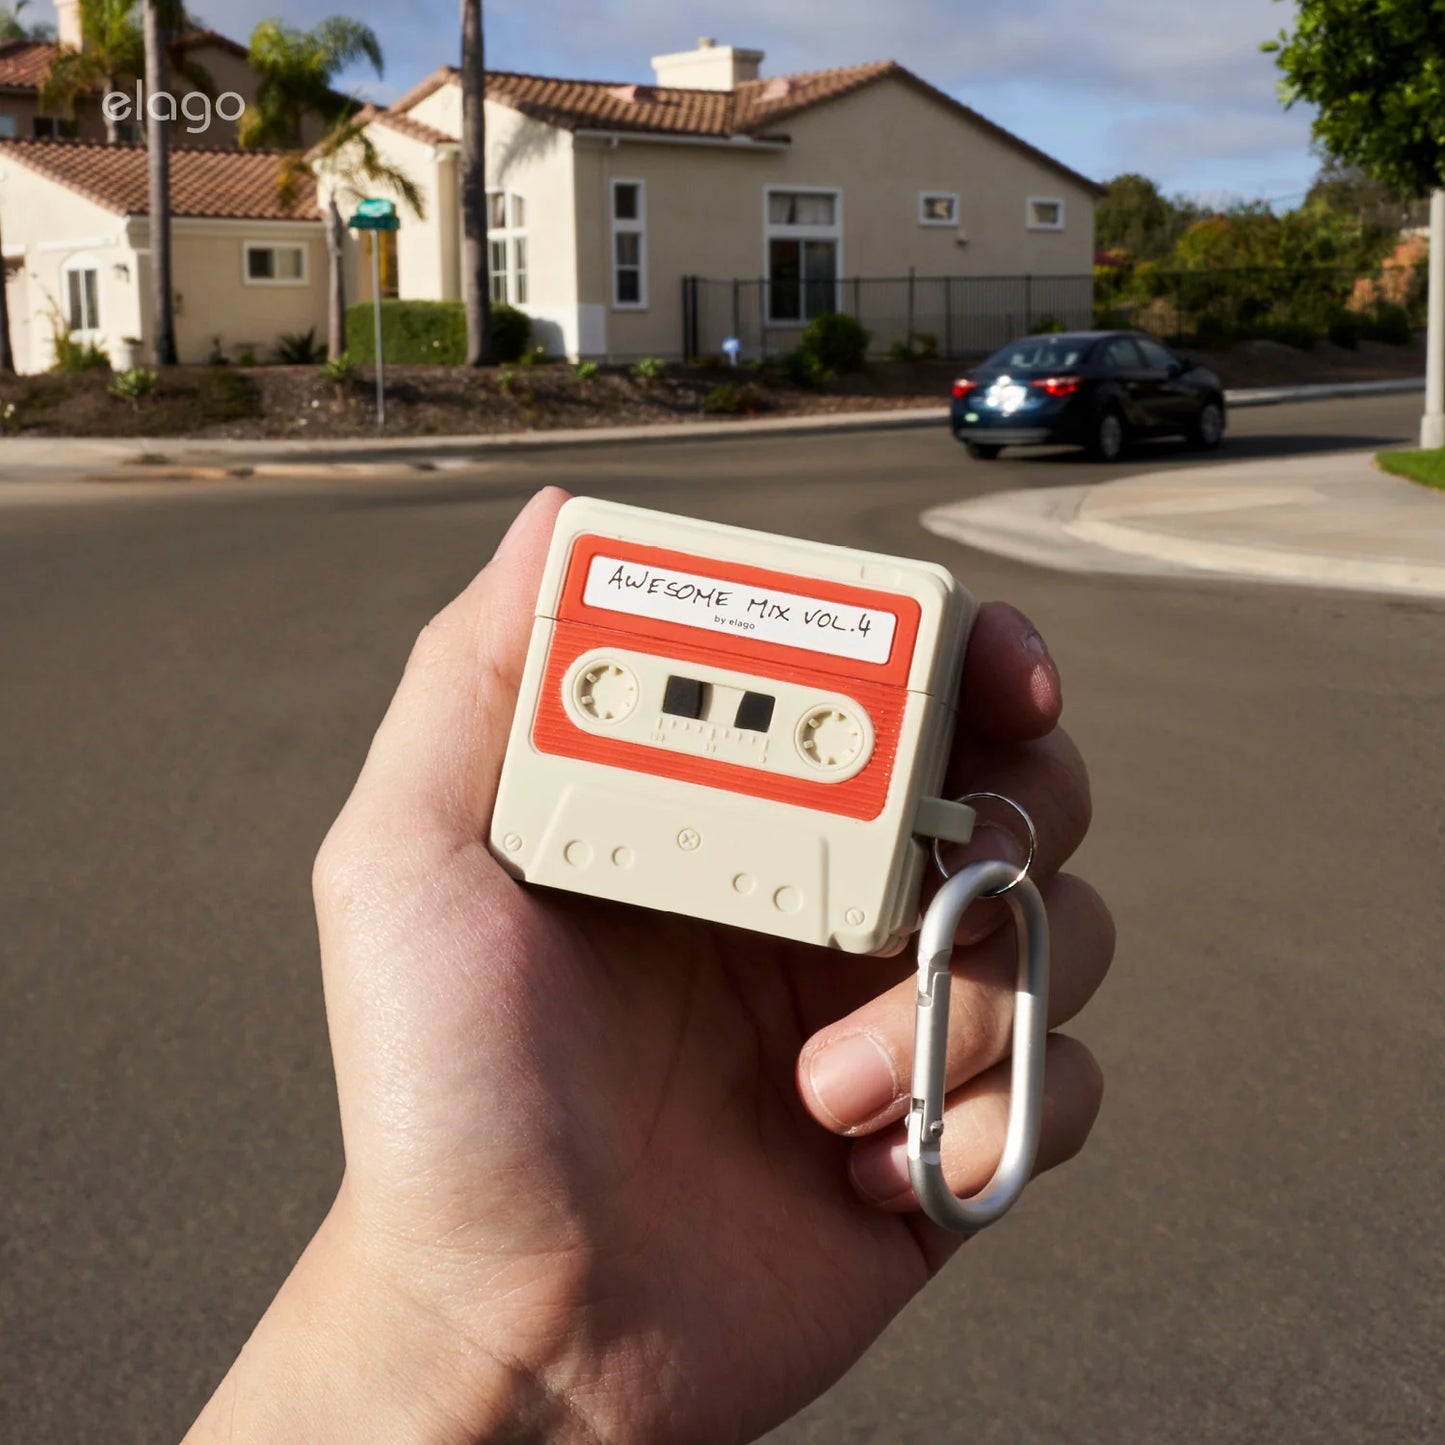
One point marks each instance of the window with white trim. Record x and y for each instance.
(803, 235)
(629, 245)
(81, 276)
(265, 263)
(507, 246)
(938, 208)
(1045, 213)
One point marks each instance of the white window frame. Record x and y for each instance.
(779, 231)
(80, 264)
(247, 279)
(515, 279)
(924, 219)
(1034, 225)
(632, 227)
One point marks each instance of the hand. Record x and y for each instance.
(614, 1174)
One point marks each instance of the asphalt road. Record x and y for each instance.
(1249, 1249)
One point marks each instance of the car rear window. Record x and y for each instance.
(1042, 353)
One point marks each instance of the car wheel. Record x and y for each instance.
(1109, 436)
(1208, 429)
(983, 451)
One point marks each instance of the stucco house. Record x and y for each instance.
(605, 196)
(23, 64)
(245, 269)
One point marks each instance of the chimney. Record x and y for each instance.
(67, 23)
(710, 67)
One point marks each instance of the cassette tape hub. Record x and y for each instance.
(735, 726)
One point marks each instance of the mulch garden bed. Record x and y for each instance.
(297, 402)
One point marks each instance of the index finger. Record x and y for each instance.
(1010, 690)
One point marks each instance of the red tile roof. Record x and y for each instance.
(754, 109)
(404, 124)
(23, 63)
(213, 182)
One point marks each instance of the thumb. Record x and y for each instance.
(434, 762)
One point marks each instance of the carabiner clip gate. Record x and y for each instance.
(930, 1046)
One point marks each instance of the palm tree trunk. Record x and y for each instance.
(7, 356)
(335, 258)
(476, 287)
(112, 128)
(159, 175)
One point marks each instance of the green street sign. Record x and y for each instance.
(375, 214)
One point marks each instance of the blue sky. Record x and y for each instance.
(1176, 89)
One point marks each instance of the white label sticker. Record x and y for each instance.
(837, 628)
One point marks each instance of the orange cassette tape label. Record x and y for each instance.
(735, 726)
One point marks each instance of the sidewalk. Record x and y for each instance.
(204, 459)
(1322, 521)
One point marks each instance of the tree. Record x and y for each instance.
(476, 282)
(111, 54)
(296, 69)
(162, 20)
(12, 27)
(1375, 70)
(7, 356)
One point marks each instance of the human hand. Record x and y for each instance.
(587, 1194)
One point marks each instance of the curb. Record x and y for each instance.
(196, 460)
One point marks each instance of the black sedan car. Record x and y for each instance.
(1095, 389)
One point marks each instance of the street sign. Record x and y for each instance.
(376, 213)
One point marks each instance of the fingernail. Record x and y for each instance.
(1044, 677)
(1035, 645)
(880, 1172)
(852, 1079)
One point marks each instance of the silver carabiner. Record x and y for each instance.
(930, 1045)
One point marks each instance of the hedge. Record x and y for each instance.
(435, 332)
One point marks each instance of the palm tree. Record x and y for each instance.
(296, 70)
(7, 356)
(163, 18)
(476, 283)
(112, 53)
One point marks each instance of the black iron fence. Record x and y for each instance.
(972, 315)
(951, 315)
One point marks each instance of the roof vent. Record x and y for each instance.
(709, 67)
(779, 87)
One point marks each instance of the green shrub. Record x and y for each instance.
(1212, 332)
(72, 355)
(533, 356)
(340, 369)
(431, 333)
(134, 385)
(300, 348)
(1344, 330)
(246, 356)
(650, 368)
(1287, 333)
(511, 332)
(805, 368)
(839, 341)
(506, 379)
(1390, 323)
(730, 399)
(902, 351)
(585, 372)
(927, 345)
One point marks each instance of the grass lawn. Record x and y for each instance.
(1427, 468)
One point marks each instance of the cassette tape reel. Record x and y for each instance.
(735, 726)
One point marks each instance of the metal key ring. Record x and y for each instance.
(1023, 873)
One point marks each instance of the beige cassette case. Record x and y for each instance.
(739, 727)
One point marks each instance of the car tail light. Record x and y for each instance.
(962, 387)
(1058, 385)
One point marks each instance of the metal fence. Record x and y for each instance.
(972, 315)
(953, 315)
